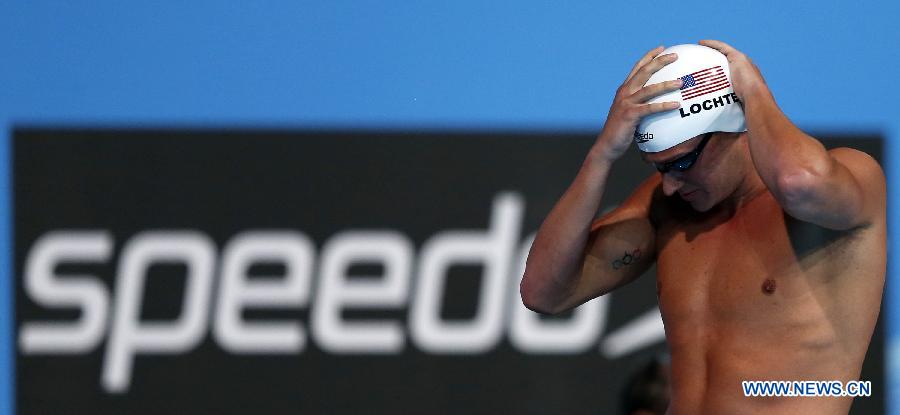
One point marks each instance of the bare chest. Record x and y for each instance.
(746, 271)
(732, 291)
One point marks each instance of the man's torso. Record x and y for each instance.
(758, 295)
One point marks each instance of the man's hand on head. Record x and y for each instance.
(630, 105)
(746, 79)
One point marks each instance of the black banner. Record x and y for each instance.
(276, 272)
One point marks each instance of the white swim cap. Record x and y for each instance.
(708, 102)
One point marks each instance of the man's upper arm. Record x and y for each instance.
(621, 245)
(869, 176)
(852, 195)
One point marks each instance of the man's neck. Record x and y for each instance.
(750, 186)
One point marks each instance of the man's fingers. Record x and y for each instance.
(650, 91)
(718, 45)
(640, 78)
(647, 109)
(647, 57)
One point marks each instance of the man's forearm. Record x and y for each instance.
(558, 249)
(780, 151)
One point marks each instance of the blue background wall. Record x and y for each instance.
(429, 65)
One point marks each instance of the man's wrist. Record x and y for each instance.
(760, 110)
(759, 94)
(601, 152)
(599, 158)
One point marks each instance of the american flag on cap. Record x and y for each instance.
(704, 82)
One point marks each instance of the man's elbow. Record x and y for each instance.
(534, 299)
(801, 186)
(807, 195)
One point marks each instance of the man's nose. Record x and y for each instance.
(671, 183)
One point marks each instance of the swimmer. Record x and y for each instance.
(770, 249)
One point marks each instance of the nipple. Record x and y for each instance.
(768, 286)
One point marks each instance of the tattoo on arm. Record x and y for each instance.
(627, 259)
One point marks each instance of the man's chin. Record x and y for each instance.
(698, 202)
(700, 205)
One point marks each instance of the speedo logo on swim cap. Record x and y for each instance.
(642, 138)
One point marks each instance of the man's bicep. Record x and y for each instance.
(621, 246)
(620, 250)
(852, 195)
(868, 178)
